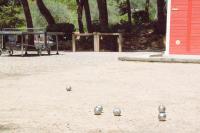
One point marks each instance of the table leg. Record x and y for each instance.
(57, 44)
(73, 43)
(96, 42)
(2, 39)
(26, 44)
(22, 46)
(120, 43)
(46, 43)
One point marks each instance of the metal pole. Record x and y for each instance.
(22, 45)
(46, 43)
(2, 39)
(26, 45)
(45, 40)
(57, 44)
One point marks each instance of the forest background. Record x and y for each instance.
(145, 19)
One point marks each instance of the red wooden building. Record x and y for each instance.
(183, 27)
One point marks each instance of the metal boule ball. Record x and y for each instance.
(162, 116)
(161, 109)
(100, 107)
(117, 112)
(69, 88)
(97, 111)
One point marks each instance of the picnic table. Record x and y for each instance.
(39, 45)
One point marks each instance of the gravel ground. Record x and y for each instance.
(33, 98)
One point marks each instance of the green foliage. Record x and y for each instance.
(140, 5)
(10, 14)
(61, 11)
(113, 12)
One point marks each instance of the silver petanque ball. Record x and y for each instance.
(161, 109)
(117, 112)
(100, 107)
(162, 116)
(97, 111)
(68, 88)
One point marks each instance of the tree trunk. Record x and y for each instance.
(129, 12)
(103, 14)
(28, 18)
(147, 5)
(45, 12)
(147, 8)
(161, 16)
(80, 15)
(88, 16)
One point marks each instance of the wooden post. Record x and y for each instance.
(120, 42)
(73, 43)
(96, 42)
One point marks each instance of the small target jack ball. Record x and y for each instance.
(117, 112)
(97, 111)
(100, 107)
(162, 116)
(68, 88)
(161, 109)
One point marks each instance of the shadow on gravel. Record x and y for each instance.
(29, 55)
(8, 127)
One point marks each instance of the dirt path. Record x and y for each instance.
(33, 98)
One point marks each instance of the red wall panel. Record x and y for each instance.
(185, 27)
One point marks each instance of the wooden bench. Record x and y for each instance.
(97, 36)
